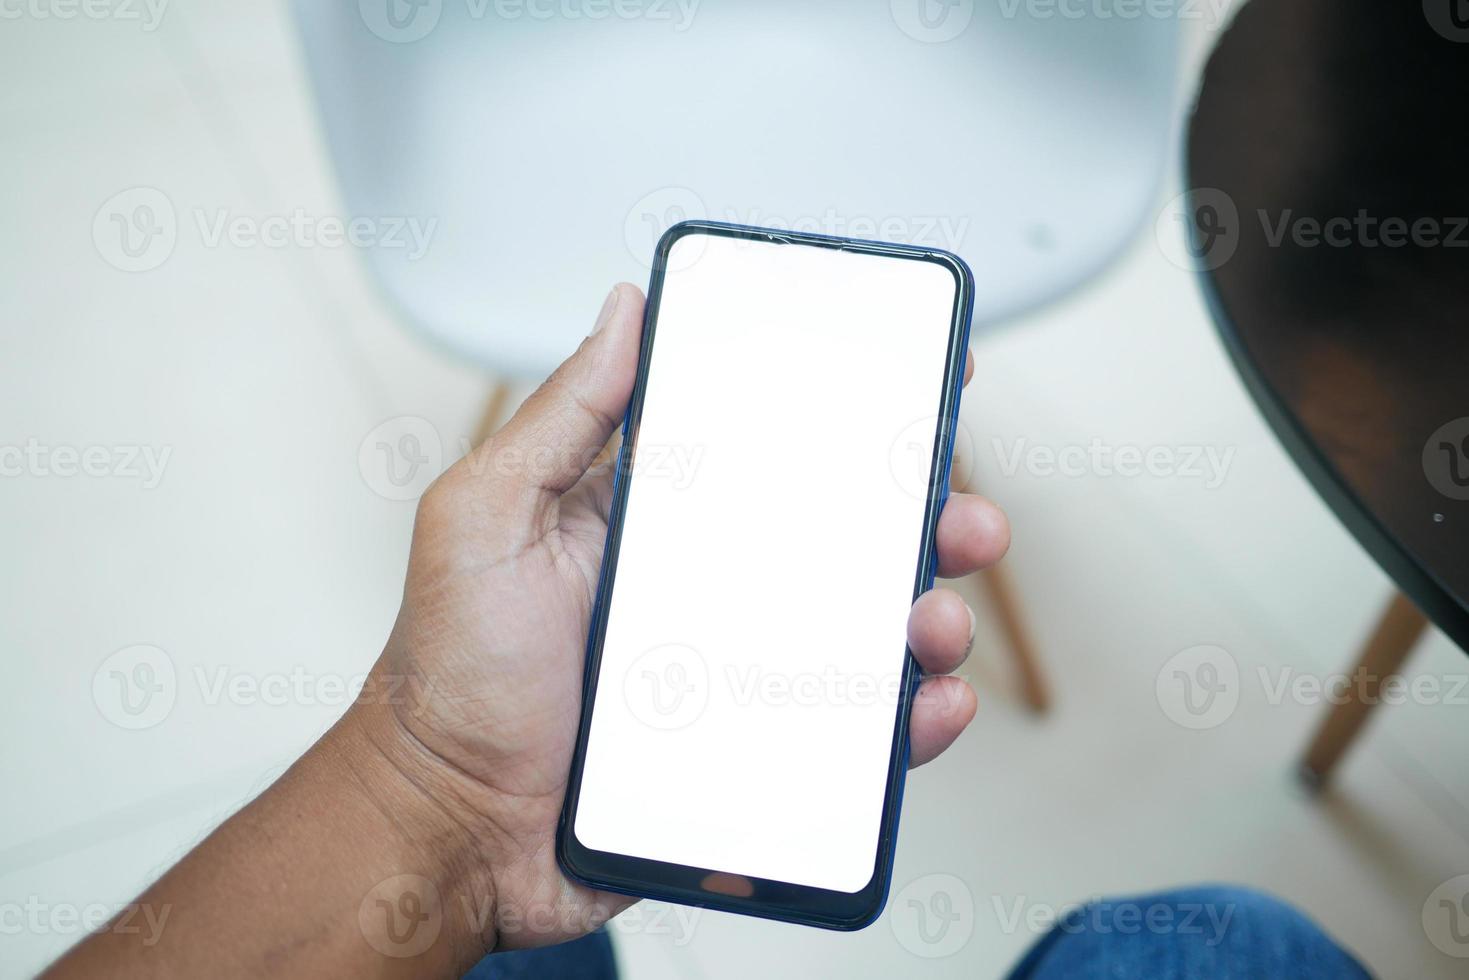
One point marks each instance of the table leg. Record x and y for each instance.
(1032, 678)
(1399, 628)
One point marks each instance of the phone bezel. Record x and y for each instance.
(646, 878)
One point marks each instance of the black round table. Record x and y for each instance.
(1328, 157)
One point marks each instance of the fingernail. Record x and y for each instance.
(609, 306)
(973, 629)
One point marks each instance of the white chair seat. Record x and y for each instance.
(553, 152)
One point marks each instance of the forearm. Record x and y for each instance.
(342, 868)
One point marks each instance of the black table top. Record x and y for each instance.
(1329, 157)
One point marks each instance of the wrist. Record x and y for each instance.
(439, 904)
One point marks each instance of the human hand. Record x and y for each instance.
(492, 633)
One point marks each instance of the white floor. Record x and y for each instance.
(262, 550)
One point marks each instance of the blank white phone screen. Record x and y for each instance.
(751, 668)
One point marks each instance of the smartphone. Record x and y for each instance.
(785, 455)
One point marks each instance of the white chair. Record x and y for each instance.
(554, 147)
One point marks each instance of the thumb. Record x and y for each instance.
(555, 436)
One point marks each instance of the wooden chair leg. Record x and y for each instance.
(493, 415)
(1397, 631)
(1033, 684)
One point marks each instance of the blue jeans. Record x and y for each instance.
(1206, 933)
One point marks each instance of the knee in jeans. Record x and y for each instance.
(1206, 912)
(1238, 901)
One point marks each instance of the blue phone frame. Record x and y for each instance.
(784, 901)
